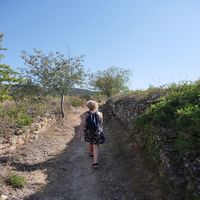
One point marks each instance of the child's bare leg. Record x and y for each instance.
(90, 148)
(95, 153)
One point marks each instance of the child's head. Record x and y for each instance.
(92, 105)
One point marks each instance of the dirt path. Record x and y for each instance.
(57, 167)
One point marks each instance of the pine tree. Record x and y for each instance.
(8, 76)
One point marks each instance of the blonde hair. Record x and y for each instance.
(92, 105)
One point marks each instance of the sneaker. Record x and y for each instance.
(90, 155)
(95, 165)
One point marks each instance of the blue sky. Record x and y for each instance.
(158, 40)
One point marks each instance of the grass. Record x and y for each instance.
(16, 181)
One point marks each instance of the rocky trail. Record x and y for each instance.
(57, 167)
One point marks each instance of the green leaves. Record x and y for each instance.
(180, 110)
(54, 72)
(8, 77)
(18, 113)
(110, 81)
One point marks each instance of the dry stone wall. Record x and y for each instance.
(11, 142)
(126, 109)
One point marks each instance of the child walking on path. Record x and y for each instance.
(92, 127)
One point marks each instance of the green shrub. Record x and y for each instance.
(194, 196)
(76, 101)
(188, 125)
(99, 97)
(147, 137)
(188, 119)
(86, 97)
(180, 110)
(23, 119)
(21, 113)
(17, 113)
(16, 181)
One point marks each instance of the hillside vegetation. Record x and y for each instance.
(178, 110)
(165, 124)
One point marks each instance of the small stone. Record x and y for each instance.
(3, 197)
(35, 137)
(197, 160)
(37, 127)
(19, 132)
(28, 131)
(189, 187)
(168, 148)
(38, 119)
(168, 133)
(3, 160)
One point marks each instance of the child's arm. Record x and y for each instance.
(101, 120)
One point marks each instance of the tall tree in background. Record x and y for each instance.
(54, 72)
(8, 76)
(110, 81)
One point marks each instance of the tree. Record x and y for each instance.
(54, 72)
(8, 76)
(110, 81)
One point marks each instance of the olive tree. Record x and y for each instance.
(110, 81)
(54, 72)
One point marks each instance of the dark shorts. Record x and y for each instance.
(94, 137)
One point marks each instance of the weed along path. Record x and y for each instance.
(57, 167)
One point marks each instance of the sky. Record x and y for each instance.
(158, 40)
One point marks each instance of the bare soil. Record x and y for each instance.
(57, 167)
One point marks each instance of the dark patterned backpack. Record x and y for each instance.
(92, 121)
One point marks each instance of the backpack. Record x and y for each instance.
(92, 121)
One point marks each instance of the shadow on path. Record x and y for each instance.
(122, 174)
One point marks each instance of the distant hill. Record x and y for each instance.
(79, 91)
(75, 91)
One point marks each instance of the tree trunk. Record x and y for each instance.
(61, 106)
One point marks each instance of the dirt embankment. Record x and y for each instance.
(57, 167)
